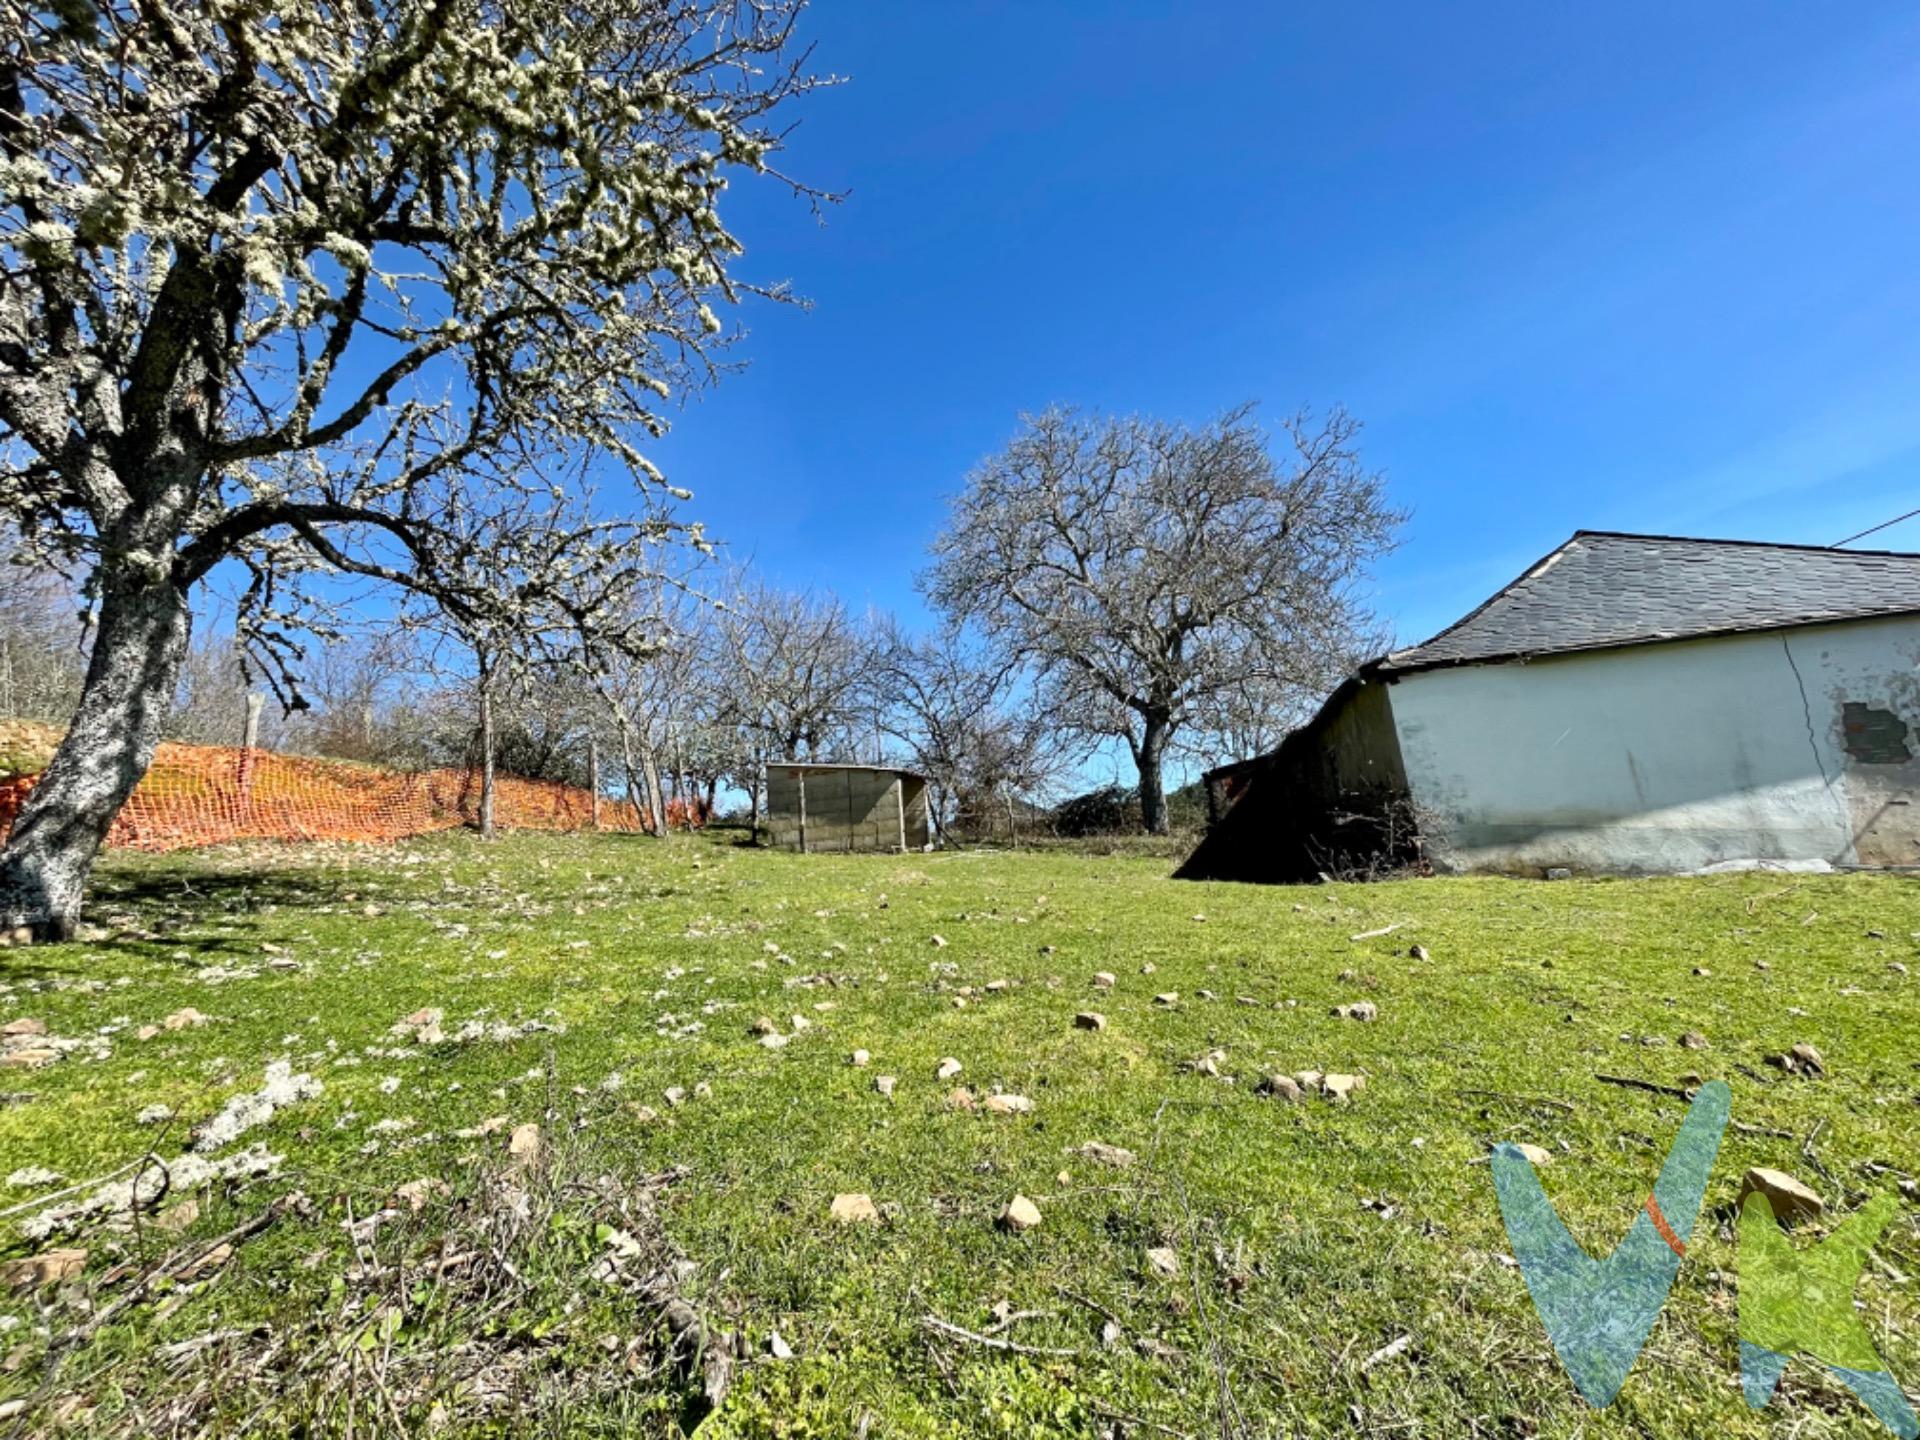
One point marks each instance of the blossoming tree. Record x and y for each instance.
(302, 289)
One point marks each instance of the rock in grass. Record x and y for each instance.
(25, 1026)
(860, 1059)
(524, 1144)
(1790, 1199)
(1281, 1087)
(1419, 952)
(1090, 1020)
(763, 1026)
(775, 1041)
(960, 1098)
(1167, 999)
(1342, 1088)
(35, 1272)
(1810, 1059)
(1020, 1215)
(1009, 1105)
(1104, 980)
(777, 1347)
(1104, 1154)
(947, 1069)
(1359, 1010)
(884, 1084)
(1694, 1040)
(855, 1209)
(1536, 1154)
(185, 1019)
(1163, 1262)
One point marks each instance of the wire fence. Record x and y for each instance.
(209, 794)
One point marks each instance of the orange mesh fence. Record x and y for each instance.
(206, 794)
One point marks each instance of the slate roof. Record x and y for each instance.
(1602, 589)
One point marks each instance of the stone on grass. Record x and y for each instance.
(775, 1041)
(24, 1026)
(1810, 1059)
(524, 1143)
(947, 1069)
(155, 1114)
(939, 942)
(416, 1194)
(1020, 1214)
(1283, 1087)
(34, 1272)
(1342, 1087)
(50, 1267)
(1694, 1040)
(860, 1059)
(674, 1095)
(1104, 980)
(884, 1084)
(1419, 952)
(1535, 1154)
(855, 1209)
(1090, 1020)
(1167, 998)
(960, 1098)
(184, 1019)
(777, 1346)
(1790, 1199)
(1117, 1156)
(1359, 1010)
(763, 1026)
(1009, 1105)
(1163, 1262)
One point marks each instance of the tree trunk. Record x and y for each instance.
(486, 755)
(1150, 755)
(753, 798)
(593, 780)
(124, 703)
(650, 772)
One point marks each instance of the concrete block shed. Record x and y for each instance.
(842, 809)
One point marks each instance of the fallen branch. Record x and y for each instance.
(1376, 934)
(1650, 1086)
(47, 1199)
(1560, 1105)
(943, 1327)
(186, 1260)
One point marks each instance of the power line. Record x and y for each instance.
(1875, 530)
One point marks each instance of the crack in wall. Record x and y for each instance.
(1806, 709)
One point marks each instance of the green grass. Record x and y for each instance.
(1310, 1235)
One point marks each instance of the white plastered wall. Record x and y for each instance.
(1667, 757)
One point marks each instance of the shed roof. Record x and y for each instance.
(1603, 589)
(843, 765)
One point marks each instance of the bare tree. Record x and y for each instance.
(281, 286)
(1143, 568)
(43, 658)
(803, 659)
(970, 722)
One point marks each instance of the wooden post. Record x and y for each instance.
(249, 741)
(900, 806)
(593, 779)
(803, 810)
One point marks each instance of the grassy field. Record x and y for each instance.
(1338, 1269)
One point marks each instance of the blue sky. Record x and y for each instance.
(1624, 266)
